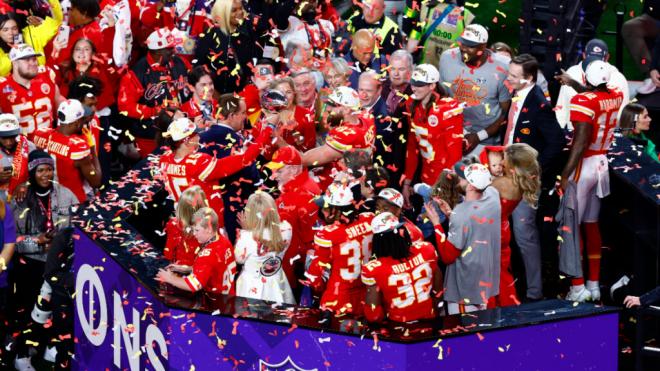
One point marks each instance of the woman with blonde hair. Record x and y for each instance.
(181, 246)
(260, 247)
(521, 180)
(228, 48)
(296, 124)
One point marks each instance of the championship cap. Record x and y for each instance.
(473, 35)
(346, 97)
(181, 129)
(477, 175)
(340, 195)
(287, 155)
(9, 126)
(70, 111)
(392, 196)
(424, 74)
(598, 72)
(21, 51)
(160, 39)
(595, 50)
(385, 222)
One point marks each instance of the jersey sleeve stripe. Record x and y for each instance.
(322, 242)
(80, 155)
(207, 171)
(337, 146)
(452, 113)
(193, 283)
(583, 109)
(368, 280)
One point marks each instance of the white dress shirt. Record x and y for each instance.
(518, 101)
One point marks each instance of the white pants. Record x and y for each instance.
(455, 308)
(593, 183)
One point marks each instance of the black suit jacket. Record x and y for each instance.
(537, 126)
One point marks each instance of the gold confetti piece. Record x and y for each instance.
(437, 345)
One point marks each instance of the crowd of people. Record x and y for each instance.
(366, 165)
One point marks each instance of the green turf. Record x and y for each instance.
(506, 29)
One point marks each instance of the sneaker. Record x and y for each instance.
(647, 87)
(23, 364)
(623, 281)
(594, 289)
(579, 294)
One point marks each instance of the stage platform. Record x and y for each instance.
(127, 320)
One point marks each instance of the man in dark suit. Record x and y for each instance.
(532, 121)
(221, 140)
(391, 138)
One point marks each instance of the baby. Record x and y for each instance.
(493, 157)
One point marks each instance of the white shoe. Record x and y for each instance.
(23, 364)
(594, 289)
(647, 87)
(623, 281)
(579, 294)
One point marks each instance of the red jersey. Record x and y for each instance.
(342, 248)
(405, 285)
(599, 109)
(214, 268)
(344, 138)
(296, 206)
(180, 247)
(34, 106)
(348, 136)
(437, 135)
(66, 150)
(193, 169)
(204, 170)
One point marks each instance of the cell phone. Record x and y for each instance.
(7, 168)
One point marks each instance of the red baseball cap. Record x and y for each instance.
(285, 156)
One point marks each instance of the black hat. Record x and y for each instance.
(39, 157)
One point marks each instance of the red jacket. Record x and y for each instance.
(437, 135)
(296, 206)
(108, 75)
(91, 31)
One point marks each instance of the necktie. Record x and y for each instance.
(392, 101)
(510, 121)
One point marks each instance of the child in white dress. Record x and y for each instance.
(260, 247)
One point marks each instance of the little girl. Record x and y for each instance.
(260, 247)
(181, 246)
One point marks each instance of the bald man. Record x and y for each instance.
(372, 17)
(362, 58)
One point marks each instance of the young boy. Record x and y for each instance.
(493, 158)
(214, 268)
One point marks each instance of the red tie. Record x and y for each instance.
(510, 124)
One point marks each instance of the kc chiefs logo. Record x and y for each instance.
(154, 91)
(45, 88)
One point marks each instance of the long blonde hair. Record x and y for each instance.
(526, 174)
(221, 15)
(192, 199)
(261, 218)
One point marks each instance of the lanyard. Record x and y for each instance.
(48, 212)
